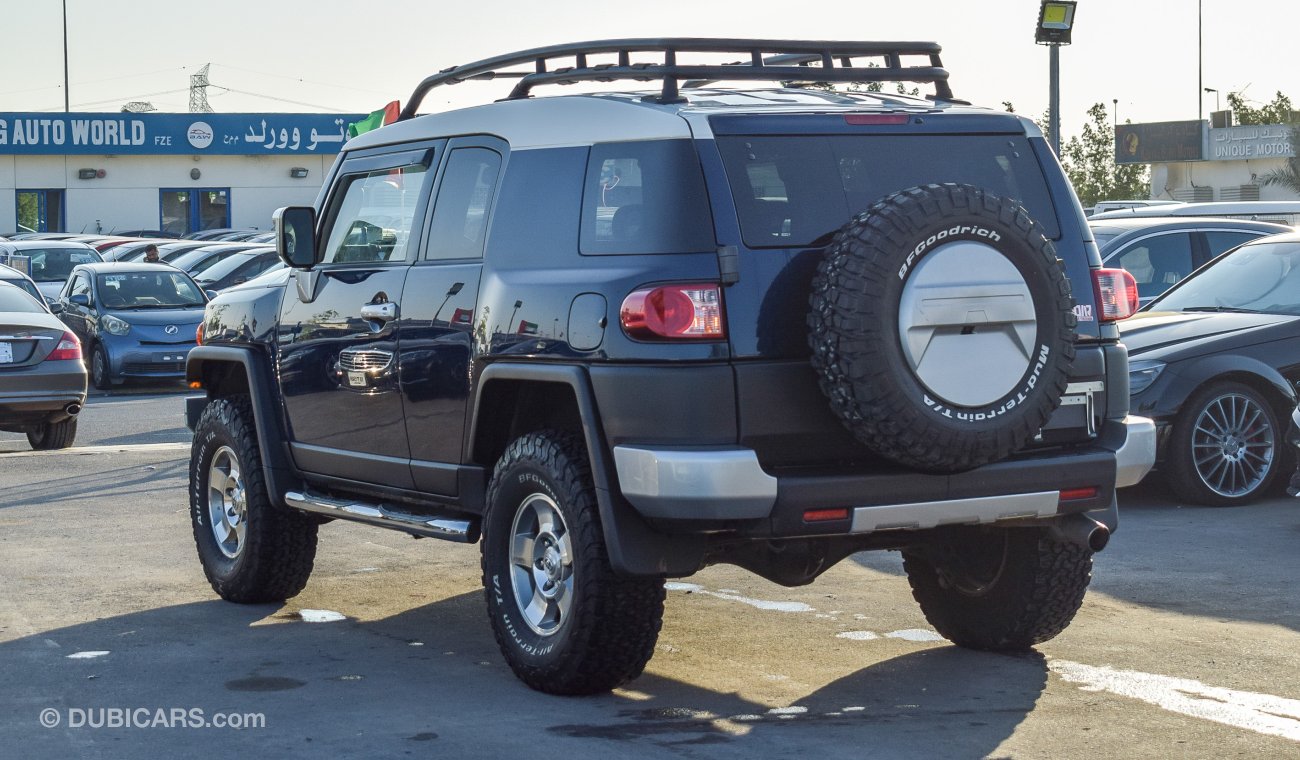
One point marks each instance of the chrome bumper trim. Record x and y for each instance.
(702, 484)
(1138, 454)
(931, 514)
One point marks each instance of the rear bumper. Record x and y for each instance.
(42, 393)
(728, 484)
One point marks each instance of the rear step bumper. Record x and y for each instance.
(384, 516)
(714, 483)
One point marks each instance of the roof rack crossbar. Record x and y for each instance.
(769, 60)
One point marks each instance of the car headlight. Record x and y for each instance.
(114, 326)
(1141, 374)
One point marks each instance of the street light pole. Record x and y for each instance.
(66, 98)
(1055, 20)
(1200, 78)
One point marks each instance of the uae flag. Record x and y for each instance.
(386, 115)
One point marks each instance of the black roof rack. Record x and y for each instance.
(769, 60)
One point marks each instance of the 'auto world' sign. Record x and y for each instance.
(172, 134)
(1244, 143)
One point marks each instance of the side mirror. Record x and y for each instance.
(211, 294)
(80, 299)
(56, 307)
(295, 236)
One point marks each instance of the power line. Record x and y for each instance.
(299, 79)
(281, 100)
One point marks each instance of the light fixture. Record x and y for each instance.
(298, 172)
(195, 173)
(1055, 21)
(87, 174)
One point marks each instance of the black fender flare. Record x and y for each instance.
(635, 548)
(262, 390)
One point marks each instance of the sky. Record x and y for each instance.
(351, 57)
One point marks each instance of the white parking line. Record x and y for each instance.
(1262, 713)
(126, 448)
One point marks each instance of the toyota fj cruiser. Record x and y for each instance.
(619, 337)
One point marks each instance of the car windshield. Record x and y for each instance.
(148, 290)
(55, 264)
(16, 300)
(224, 267)
(1263, 277)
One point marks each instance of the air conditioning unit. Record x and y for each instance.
(1220, 119)
(1239, 193)
(1193, 194)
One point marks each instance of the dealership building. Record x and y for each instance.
(1198, 161)
(98, 172)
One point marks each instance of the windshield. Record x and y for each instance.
(798, 190)
(55, 264)
(224, 267)
(1261, 277)
(148, 290)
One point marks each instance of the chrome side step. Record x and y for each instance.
(462, 530)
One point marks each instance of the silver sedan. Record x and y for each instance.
(42, 376)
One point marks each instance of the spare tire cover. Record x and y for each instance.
(941, 327)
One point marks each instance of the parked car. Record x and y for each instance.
(142, 233)
(197, 260)
(133, 250)
(1159, 252)
(166, 250)
(135, 320)
(1104, 206)
(42, 377)
(623, 337)
(14, 277)
(1215, 362)
(50, 261)
(237, 269)
(1278, 212)
(216, 234)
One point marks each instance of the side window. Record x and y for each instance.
(372, 216)
(80, 285)
(460, 215)
(1158, 262)
(645, 197)
(1219, 242)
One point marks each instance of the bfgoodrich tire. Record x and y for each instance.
(941, 327)
(999, 589)
(252, 551)
(565, 622)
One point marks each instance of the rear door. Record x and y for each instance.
(338, 345)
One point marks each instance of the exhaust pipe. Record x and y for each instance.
(73, 409)
(1082, 530)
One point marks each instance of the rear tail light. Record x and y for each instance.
(1117, 294)
(1076, 494)
(69, 348)
(674, 311)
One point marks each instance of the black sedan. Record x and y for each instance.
(42, 379)
(1215, 362)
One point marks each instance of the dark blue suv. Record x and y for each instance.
(619, 337)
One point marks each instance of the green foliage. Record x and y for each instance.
(1278, 112)
(1287, 176)
(1089, 161)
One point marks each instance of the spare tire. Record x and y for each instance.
(942, 328)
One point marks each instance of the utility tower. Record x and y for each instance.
(199, 91)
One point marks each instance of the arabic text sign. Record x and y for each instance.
(1243, 143)
(246, 134)
(1160, 141)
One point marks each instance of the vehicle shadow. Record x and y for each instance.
(430, 678)
(144, 480)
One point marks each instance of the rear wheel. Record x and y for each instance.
(999, 589)
(1225, 447)
(53, 435)
(565, 622)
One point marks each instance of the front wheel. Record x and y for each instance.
(565, 622)
(1225, 447)
(252, 551)
(101, 375)
(999, 589)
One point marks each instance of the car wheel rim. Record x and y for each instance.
(1232, 445)
(541, 559)
(227, 502)
(967, 324)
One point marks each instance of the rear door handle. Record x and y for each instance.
(379, 312)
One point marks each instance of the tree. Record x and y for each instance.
(1277, 112)
(1287, 176)
(1089, 162)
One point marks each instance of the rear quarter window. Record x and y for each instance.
(645, 197)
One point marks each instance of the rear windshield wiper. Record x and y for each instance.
(1220, 309)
